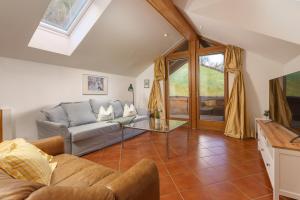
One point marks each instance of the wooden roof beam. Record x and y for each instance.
(170, 12)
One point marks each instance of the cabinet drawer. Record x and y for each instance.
(269, 162)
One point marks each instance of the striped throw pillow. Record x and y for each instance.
(23, 160)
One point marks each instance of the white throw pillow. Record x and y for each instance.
(129, 111)
(105, 115)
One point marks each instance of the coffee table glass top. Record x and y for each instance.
(164, 126)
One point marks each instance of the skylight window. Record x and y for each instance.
(63, 15)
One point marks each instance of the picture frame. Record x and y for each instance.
(94, 85)
(146, 83)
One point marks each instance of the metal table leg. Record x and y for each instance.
(122, 142)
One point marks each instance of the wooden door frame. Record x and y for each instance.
(166, 85)
(211, 125)
(172, 14)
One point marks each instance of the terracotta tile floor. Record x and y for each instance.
(209, 166)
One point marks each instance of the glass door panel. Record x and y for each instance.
(178, 82)
(211, 90)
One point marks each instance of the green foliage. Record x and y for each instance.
(293, 84)
(266, 113)
(58, 12)
(179, 82)
(211, 82)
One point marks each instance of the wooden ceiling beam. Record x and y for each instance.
(170, 12)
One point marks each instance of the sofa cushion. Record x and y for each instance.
(105, 114)
(16, 189)
(118, 108)
(78, 172)
(56, 114)
(129, 110)
(96, 104)
(79, 113)
(90, 130)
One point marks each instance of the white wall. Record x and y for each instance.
(142, 94)
(27, 87)
(292, 66)
(257, 73)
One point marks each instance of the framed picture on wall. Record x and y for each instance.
(146, 83)
(94, 85)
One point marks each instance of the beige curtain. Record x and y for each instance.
(237, 124)
(156, 101)
(279, 107)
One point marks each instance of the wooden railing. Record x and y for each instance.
(179, 105)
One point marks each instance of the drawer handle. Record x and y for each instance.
(268, 165)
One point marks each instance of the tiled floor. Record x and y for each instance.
(209, 166)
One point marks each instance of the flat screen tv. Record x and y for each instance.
(285, 101)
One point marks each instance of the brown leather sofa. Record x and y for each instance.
(79, 179)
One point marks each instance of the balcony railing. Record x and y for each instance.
(211, 108)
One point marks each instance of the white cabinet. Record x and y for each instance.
(281, 158)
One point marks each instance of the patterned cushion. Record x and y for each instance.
(24, 161)
(56, 114)
(129, 111)
(105, 114)
(79, 113)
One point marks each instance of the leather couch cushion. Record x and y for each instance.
(79, 113)
(78, 172)
(25, 161)
(16, 189)
(91, 130)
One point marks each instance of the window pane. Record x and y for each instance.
(179, 88)
(62, 13)
(212, 87)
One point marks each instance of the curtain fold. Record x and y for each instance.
(156, 101)
(279, 107)
(237, 123)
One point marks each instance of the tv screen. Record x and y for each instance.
(285, 101)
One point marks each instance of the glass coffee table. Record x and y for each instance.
(164, 127)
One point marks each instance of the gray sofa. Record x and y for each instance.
(77, 123)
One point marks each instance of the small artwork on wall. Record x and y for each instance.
(94, 85)
(146, 83)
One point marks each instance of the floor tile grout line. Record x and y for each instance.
(240, 190)
(157, 144)
(262, 196)
(218, 182)
(168, 172)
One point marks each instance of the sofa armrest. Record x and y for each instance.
(72, 193)
(139, 182)
(52, 146)
(48, 129)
